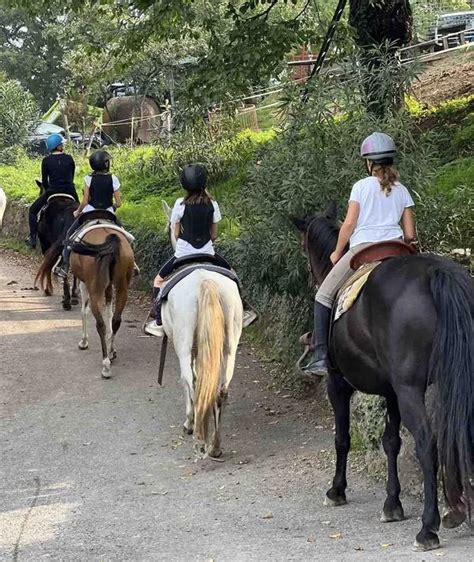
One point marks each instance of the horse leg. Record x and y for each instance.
(96, 306)
(412, 408)
(187, 377)
(66, 295)
(75, 292)
(121, 296)
(109, 293)
(392, 509)
(340, 393)
(84, 343)
(229, 365)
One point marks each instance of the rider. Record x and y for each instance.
(194, 219)
(101, 191)
(377, 205)
(57, 175)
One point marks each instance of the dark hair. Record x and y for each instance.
(197, 197)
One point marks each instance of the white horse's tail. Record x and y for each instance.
(209, 337)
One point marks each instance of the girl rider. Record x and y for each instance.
(57, 175)
(377, 204)
(101, 191)
(194, 219)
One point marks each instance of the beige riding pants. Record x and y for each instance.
(338, 275)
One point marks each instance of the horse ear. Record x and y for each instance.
(331, 211)
(301, 224)
(166, 209)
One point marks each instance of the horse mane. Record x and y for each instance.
(321, 240)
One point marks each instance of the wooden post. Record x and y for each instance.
(462, 38)
(131, 133)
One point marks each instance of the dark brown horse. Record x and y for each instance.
(411, 327)
(103, 262)
(52, 228)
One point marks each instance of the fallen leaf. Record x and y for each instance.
(358, 548)
(268, 515)
(335, 536)
(311, 539)
(386, 545)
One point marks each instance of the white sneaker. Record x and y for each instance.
(249, 318)
(154, 329)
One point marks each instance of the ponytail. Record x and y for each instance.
(387, 176)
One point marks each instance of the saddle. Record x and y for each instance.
(51, 199)
(187, 265)
(364, 262)
(98, 219)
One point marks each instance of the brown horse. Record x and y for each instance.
(103, 262)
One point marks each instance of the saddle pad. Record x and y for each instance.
(99, 223)
(351, 289)
(183, 272)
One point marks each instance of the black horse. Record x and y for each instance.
(54, 223)
(411, 327)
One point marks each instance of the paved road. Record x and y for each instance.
(99, 470)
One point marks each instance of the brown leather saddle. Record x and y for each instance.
(381, 251)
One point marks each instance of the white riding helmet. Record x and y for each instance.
(378, 146)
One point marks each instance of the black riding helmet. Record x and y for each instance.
(194, 177)
(100, 161)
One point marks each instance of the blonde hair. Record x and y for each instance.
(387, 176)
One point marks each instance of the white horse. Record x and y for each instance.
(203, 316)
(3, 205)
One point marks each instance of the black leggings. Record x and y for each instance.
(168, 268)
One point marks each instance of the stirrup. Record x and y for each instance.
(249, 317)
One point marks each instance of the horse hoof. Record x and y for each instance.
(74, 301)
(332, 499)
(66, 306)
(215, 452)
(113, 355)
(106, 373)
(392, 516)
(83, 345)
(426, 540)
(216, 457)
(452, 519)
(187, 430)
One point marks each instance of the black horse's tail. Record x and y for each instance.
(44, 271)
(106, 256)
(452, 370)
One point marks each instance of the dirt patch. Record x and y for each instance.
(452, 77)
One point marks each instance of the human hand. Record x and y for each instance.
(76, 213)
(335, 257)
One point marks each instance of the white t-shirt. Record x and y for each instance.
(184, 248)
(115, 184)
(379, 214)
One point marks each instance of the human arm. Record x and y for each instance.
(177, 229)
(408, 225)
(346, 231)
(117, 199)
(214, 231)
(84, 202)
(44, 175)
(216, 217)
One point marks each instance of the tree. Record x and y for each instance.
(31, 53)
(18, 114)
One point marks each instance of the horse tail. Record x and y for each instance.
(106, 256)
(44, 271)
(209, 338)
(452, 370)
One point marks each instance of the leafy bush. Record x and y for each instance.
(18, 116)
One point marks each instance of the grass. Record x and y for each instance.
(9, 243)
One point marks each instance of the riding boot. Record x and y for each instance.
(33, 236)
(155, 327)
(61, 268)
(318, 364)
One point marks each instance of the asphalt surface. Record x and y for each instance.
(96, 469)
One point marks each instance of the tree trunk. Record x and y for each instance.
(379, 22)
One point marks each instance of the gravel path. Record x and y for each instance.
(99, 470)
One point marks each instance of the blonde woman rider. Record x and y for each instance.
(380, 209)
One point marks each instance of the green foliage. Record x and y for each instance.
(368, 421)
(18, 115)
